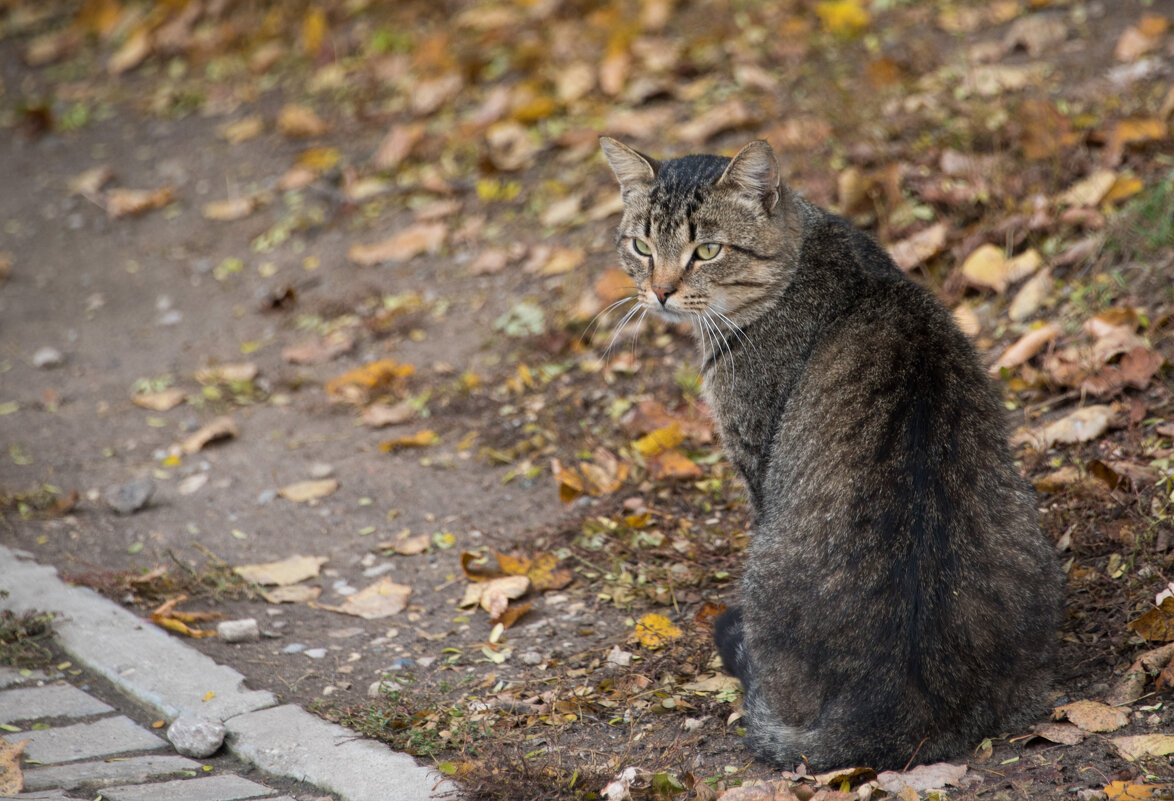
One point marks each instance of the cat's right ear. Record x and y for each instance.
(755, 172)
(631, 168)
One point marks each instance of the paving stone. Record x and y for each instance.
(50, 701)
(86, 740)
(139, 657)
(48, 795)
(289, 741)
(9, 677)
(225, 787)
(101, 774)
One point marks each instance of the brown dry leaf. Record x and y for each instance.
(378, 415)
(220, 428)
(1129, 791)
(290, 570)
(331, 346)
(360, 385)
(407, 244)
(718, 682)
(497, 593)
(1025, 347)
(489, 261)
(1030, 296)
(11, 777)
(512, 614)
(562, 260)
(1134, 130)
(545, 574)
(673, 464)
(1132, 684)
(604, 476)
(1063, 733)
(132, 53)
(299, 122)
(89, 183)
(922, 778)
(421, 439)
(1092, 716)
(397, 145)
(570, 482)
(50, 47)
(293, 594)
(510, 145)
(1081, 425)
(988, 268)
(655, 631)
(1039, 34)
(919, 248)
(409, 545)
(725, 117)
(230, 209)
(310, 490)
(1143, 745)
(430, 94)
(1137, 40)
(242, 130)
(131, 202)
(159, 401)
(482, 567)
(381, 599)
(1156, 625)
(1089, 191)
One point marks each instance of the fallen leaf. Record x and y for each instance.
(988, 268)
(545, 574)
(378, 415)
(1025, 347)
(1063, 733)
(659, 440)
(919, 248)
(673, 464)
(397, 145)
(1091, 190)
(1039, 34)
(497, 593)
(159, 401)
(1132, 684)
(922, 778)
(421, 439)
(230, 209)
(843, 17)
(1030, 296)
(1129, 791)
(655, 631)
(242, 130)
(511, 146)
(381, 599)
(298, 122)
(725, 117)
(1081, 425)
(89, 183)
(405, 245)
(512, 614)
(132, 202)
(360, 385)
(293, 594)
(1156, 625)
(310, 490)
(241, 372)
(410, 546)
(167, 616)
(11, 777)
(132, 53)
(715, 683)
(331, 346)
(1092, 716)
(1142, 745)
(218, 429)
(290, 570)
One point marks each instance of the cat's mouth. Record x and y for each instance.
(667, 312)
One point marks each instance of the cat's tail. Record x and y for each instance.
(730, 637)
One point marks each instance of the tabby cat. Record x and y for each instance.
(899, 602)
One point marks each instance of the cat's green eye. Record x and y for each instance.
(707, 251)
(641, 247)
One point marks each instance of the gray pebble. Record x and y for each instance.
(196, 736)
(315, 653)
(532, 658)
(293, 648)
(128, 498)
(47, 358)
(245, 630)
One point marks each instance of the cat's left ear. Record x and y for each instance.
(754, 171)
(632, 168)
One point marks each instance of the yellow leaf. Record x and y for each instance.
(673, 464)
(208, 696)
(655, 631)
(421, 439)
(1128, 791)
(545, 574)
(659, 440)
(136, 48)
(300, 121)
(843, 17)
(319, 159)
(1156, 625)
(361, 384)
(986, 267)
(313, 31)
(1124, 187)
(570, 483)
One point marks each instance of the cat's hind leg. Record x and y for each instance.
(730, 636)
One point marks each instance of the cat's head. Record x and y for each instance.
(701, 233)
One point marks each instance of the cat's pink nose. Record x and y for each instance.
(662, 293)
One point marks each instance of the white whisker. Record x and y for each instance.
(620, 328)
(598, 319)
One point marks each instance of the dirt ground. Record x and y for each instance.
(515, 432)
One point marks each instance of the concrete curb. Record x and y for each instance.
(170, 677)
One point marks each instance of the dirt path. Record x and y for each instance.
(318, 132)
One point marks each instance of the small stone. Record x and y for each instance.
(425, 661)
(244, 630)
(196, 736)
(266, 496)
(294, 648)
(47, 358)
(315, 653)
(532, 658)
(128, 498)
(171, 317)
(380, 687)
(321, 470)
